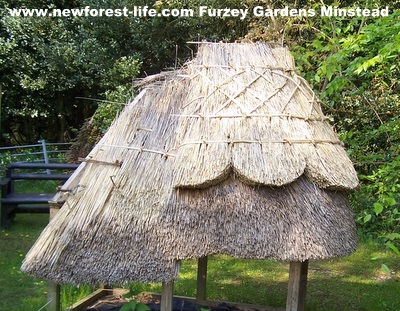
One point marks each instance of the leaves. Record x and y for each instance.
(142, 307)
(129, 306)
(385, 268)
(133, 305)
(393, 247)
(378, 208)
(367, 218)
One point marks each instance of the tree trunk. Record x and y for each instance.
(61, 111)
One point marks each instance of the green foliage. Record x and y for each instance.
(133, 305)
(350, 53)
(48, 64)
(122, 92)
(354, 65)
(378, 203)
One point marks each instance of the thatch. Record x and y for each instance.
(231, 154)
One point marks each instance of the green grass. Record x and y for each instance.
(17, 290)
(354, 283)
(41, 186)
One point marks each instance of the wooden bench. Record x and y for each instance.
(12, 202)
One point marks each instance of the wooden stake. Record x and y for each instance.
(296, 298)
(167, 295)
(201, 278)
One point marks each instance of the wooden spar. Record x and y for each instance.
(296, 298)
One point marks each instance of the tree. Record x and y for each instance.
(47, 63)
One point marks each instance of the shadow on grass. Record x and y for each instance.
(351, 283)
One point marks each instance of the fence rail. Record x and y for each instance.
(43, 152)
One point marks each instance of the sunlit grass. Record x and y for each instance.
(19, 291)
(356, 282)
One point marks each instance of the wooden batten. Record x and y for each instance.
(54, 208)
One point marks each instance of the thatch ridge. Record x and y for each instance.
(233, 142)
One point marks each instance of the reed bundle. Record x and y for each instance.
(230, 154)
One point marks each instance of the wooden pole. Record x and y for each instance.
(53, 289)
(1, 95)
(53, 297)
(201, 278)
(167, 295)
(296, 298)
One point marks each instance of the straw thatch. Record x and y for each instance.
(231, 154)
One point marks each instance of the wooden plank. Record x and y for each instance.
(216, 303)
(297, 288)
(167, 295)
(40, 176)
(61, 166)
(201, 278)
(37, 209)
(88, 300)
(28, 198)
(99, 294)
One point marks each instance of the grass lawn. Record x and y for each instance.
(354, 283)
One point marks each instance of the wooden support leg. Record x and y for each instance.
(4, 217)
(53, 297)
(201, 278)
(167, 295)
(53, 290)
(296, 298)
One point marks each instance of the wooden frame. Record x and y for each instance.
(296, 296)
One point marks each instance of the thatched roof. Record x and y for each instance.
(231, 154)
